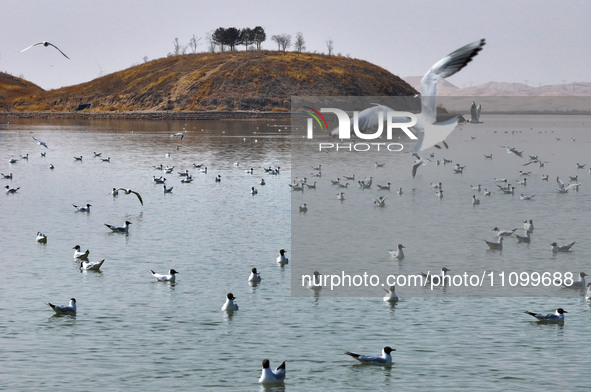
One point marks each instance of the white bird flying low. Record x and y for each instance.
(433, 132)
(61, 310)
(120, 229)
(418, 163)
(384, 360)
(270, 376)
(170, 277)
(39, 142)
(128, 191)
(46, 44)
(555, 317)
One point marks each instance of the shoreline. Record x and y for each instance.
(150, 115)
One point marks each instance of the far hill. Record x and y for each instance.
(253, 80)
(12, 88)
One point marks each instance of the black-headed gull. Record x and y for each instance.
(383, 360)
(398, 253)
(282, 259)
(10, 190)
(391, 296)
(557, 316)
(504, 233)
(254, 276)
(69, 309)
(270, 376)
(91, 265)
(495, 245)
(128, 191)
(119, 229)
(170, 277)
(39, 142)
(85, 208)
(561, 248)
(46, 44)
(41, 238)
(433, 132)
(78, 254)
(475, 113)
(230, 305)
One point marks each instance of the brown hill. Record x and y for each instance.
(254, 80)
(12, 88)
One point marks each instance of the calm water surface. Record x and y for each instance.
(132, 333)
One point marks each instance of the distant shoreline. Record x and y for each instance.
(150, 115)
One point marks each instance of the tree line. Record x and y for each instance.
(230, 38)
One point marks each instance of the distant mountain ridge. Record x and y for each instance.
(503, 89)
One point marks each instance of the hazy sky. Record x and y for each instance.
(538, 41)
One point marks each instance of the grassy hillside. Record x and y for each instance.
(13, 88)
(257, 80)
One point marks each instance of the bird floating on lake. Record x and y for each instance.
(119, 229)
(384, 360)
(270, 376)
(41, 238)
(555, 317)
(230, 305)
(282, 259)
(170, 277)
(46, 44)
(61, 310)
(398, 253)
(91, 265)
(563, 248)
(78, 254)
(10, 190)
(391, 296)
(254, 276)
(82, 208)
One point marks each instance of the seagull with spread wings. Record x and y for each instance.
(46, 44)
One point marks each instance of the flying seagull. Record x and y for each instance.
(433, 132)
(46, 44)
(39, 142)
(128, 191)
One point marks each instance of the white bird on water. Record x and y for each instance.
(61, 310)
(10, 190)
(254, 276)
(82, 208)
(270, 376)
(528, 226)
(495, 245)
(230, 305)
(555, 317)
(384, 360)
(91, 265)
(46, 44)
(524, 238)
(391, 296)
(41, 238)
(282, 259)
(563, 248)
(78, 254)
(475, 201)
(577, 284)
(433, 132)
(170, 277)
(119, 229)
(398, 253)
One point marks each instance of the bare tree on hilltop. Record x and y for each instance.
(283, 41)
(299, 43)
(193, 43)
(330, 46)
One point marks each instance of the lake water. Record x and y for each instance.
(133, 333)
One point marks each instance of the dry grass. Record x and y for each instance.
(256, 80)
